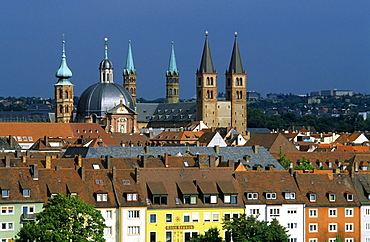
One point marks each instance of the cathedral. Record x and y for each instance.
(114, 106)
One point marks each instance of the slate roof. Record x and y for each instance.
(361, 182)
(229, 153)
(166, 112)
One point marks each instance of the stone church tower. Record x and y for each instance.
(172, 79)
(129, 73)
(63, 92)
(206, 86)
(236, 90)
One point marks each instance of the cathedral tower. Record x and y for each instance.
(172, 79)
(236, 90)
(63, 92)
(129, 73)
(206, 86)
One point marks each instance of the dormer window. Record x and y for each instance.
(230, 198)
(132, 197)
(101, 197)
(349, 196)
(252, 195)
(270, 195)
(5, 192)
(289, 195)
(190, 199)
(331, 196)
(26, 192)
(312, 197)
(209, 199)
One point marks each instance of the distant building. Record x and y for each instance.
(333, 92)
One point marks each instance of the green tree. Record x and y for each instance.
(284, 162)
(64, 218)
(212, 235)
(304, 164)
(251, 229)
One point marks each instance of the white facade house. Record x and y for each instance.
(133, 227)
(111, 232)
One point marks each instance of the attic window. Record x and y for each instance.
(30, 138)
(99, 182)
(97, 131)
(332, 197)
(24, 138)
(96, 166)
(126, 182)
(312, 197)
(132, 197)
(101, 197)
(270, 195)
(5, 192)
(77, 130)
(26, 192)
(252, 195)
(289, 195)
(349, 196)
(19, 138)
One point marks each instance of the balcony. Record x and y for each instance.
(28, 217)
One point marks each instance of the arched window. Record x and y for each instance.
(241, 95)
(211, 94)
(240, 81)
(237, 94)
(208, 81)
(199, 81)
(67, 109)
(60, 109)
(174, 91)
(66, 94)
(60, 93)
(207, 94)
(237, 82)
(211, 81)
(131, 90)
(170, 91)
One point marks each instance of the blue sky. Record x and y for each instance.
(286, 46)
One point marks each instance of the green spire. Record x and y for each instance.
(236, 62)
(206, 64)
(172, 66)
(130, 67)
(63, 72)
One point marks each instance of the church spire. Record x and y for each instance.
(236, 62)
(63, 72)
(172, 66)
(106, 66)
(130, 67)
(206, 64)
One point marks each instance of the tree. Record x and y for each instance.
(253, 230)
(283, 160)
(64, 218)
(212, 235)
(304, 165)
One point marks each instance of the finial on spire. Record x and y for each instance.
(63, 71)
(206, 33)
(236, 34)
(106, 48)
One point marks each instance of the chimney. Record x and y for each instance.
(291, 171)
(48, 162)
(255, 148)
(46, 139)
(356, 166)
(7, 161)
(24, 159)
(28, 154)
(82, 173)
(11, 141)
(18, 153)
(230, 163)
(79, 161)
(143, 161)
(114, 174)
(222, 159)
(166, 159)
(217, 149)
(195, 182)
(107, 162)
(212, 161)
(35, 172)
(147, 149)
(137, 175)
(197, 143)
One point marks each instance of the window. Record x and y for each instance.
(207, 217)
(168, 236)
(349, 240)
(108, 214)
(290, 195)
(332, 239)
(160, 199)
(270, 195)
(312, 197)
(348, 227)
(349, 197)
(367, 211)
(7, 226)
(26, 192)
(254, 211)
(5, 193)
(332, 212)
(292, 211)
(209, 199)
(7, 210)
(153, 237)
(153, 218)
(312, 240)
(312, 227)
(332, 197)
(7, 240)
(28, 209)
(292, 225)
(168, 217)
(133, 230)
(132, 197)
(133, 214)
(108, 231)
(230, 199)
(101, 197)
(190, 199)
(195, 217)
(292, 240)
(332, 227)
(312, 213)
(189, 235)
(227, 216)
(215, 217)
(367, 227)
(367, 239)
(252, 195)
(348, 212)
(274, 212)
(186, 217)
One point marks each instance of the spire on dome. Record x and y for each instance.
(236, 62)
(206, 64)
(105, 63)
(130, 67)
(105, 48)
(172, 66)
(63, 72)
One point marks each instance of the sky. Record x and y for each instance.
(287, 46)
